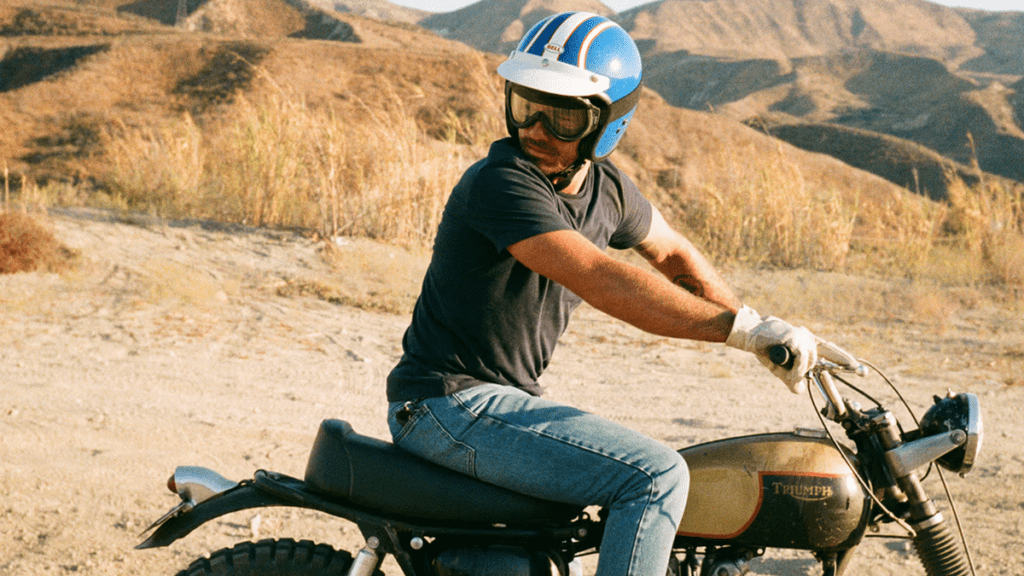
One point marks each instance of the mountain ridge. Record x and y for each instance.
(838, 65)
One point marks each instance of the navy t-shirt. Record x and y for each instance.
(481, 315)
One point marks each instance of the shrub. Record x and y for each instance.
(26, 245)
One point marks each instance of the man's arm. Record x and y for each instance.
(678, 259)
(640, 297)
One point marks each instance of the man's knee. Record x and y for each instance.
(662, 475)
(674, 474)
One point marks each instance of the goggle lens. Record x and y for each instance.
(566, 119)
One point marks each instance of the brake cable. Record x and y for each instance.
(864, 485)
(942, 477)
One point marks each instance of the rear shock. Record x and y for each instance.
(940, 552)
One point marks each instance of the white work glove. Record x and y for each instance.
(752, 333)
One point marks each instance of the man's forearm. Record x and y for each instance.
(685, 267)
(653, 304)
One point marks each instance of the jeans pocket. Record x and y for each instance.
(424, 436)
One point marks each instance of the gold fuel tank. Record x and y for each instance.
(786, 490)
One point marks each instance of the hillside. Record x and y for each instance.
(93, 80)
(1000, 35)
(787, 29)
(70, 72)
(498, 26)
(911, 70)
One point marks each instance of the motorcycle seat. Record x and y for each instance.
(380, 476)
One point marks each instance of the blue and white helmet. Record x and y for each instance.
(580, 54)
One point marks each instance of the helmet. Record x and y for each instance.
(584, 56)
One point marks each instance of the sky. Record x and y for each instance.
(620, 5)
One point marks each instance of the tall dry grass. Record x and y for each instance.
(762, 211)
(372, 170)
(384, 169)
(986, 222)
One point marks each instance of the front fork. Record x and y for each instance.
(939, 552)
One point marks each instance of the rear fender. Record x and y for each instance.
(177, 526)
(209, 499)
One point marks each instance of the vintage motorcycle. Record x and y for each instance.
(801, 490)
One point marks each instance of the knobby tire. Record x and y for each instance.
(273, 558)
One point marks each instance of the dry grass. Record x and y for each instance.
(986, 221)
(761, 209)
(279, 161)
(765, 213)
(383, 170)
(27, 245)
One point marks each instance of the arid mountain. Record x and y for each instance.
(68, 72)
(789, 29)
(71, 74)
(497, 26)
(911, 70)
(1001, 36)
(910, 98)
(169, 11)
(377, 9)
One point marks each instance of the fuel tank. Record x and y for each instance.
(782, 490)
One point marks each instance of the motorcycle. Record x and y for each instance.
(802, 490)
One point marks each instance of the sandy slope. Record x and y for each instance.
(173, 345)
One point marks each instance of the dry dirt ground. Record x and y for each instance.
(182, 344)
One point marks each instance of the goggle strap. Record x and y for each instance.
(623, 105)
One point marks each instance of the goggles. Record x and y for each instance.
(566, 118)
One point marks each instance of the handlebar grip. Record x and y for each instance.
(781, 356)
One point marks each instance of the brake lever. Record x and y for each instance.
(821, 374)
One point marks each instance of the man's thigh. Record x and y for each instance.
(507, 437)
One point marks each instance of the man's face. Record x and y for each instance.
(550, 154)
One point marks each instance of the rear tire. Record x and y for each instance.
(273, 558)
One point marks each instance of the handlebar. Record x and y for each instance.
(781, 356)
(821, 374)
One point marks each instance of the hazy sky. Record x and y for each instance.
(620, 5)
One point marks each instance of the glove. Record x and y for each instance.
(752, 333)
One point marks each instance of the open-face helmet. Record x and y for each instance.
(579, 74)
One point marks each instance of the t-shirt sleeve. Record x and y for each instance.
(637, 213)
(508, 204)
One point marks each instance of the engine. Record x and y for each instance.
(498, 561)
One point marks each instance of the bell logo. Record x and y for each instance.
(804, 492)
(554, 48)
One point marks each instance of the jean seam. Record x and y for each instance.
(470, 452)
(568, 442)
(650, 477)
(643, 522)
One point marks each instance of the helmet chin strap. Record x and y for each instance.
(561, 180)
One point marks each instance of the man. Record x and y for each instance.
(522, 241)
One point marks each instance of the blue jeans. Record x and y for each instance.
(507, 437)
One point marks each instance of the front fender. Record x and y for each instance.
(242, 497)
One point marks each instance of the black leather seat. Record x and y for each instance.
(380, 476)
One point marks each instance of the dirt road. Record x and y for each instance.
(189, 345)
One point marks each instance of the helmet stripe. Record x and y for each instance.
(540, 41)
(528, 38)
(588, 39)
(560, 40)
